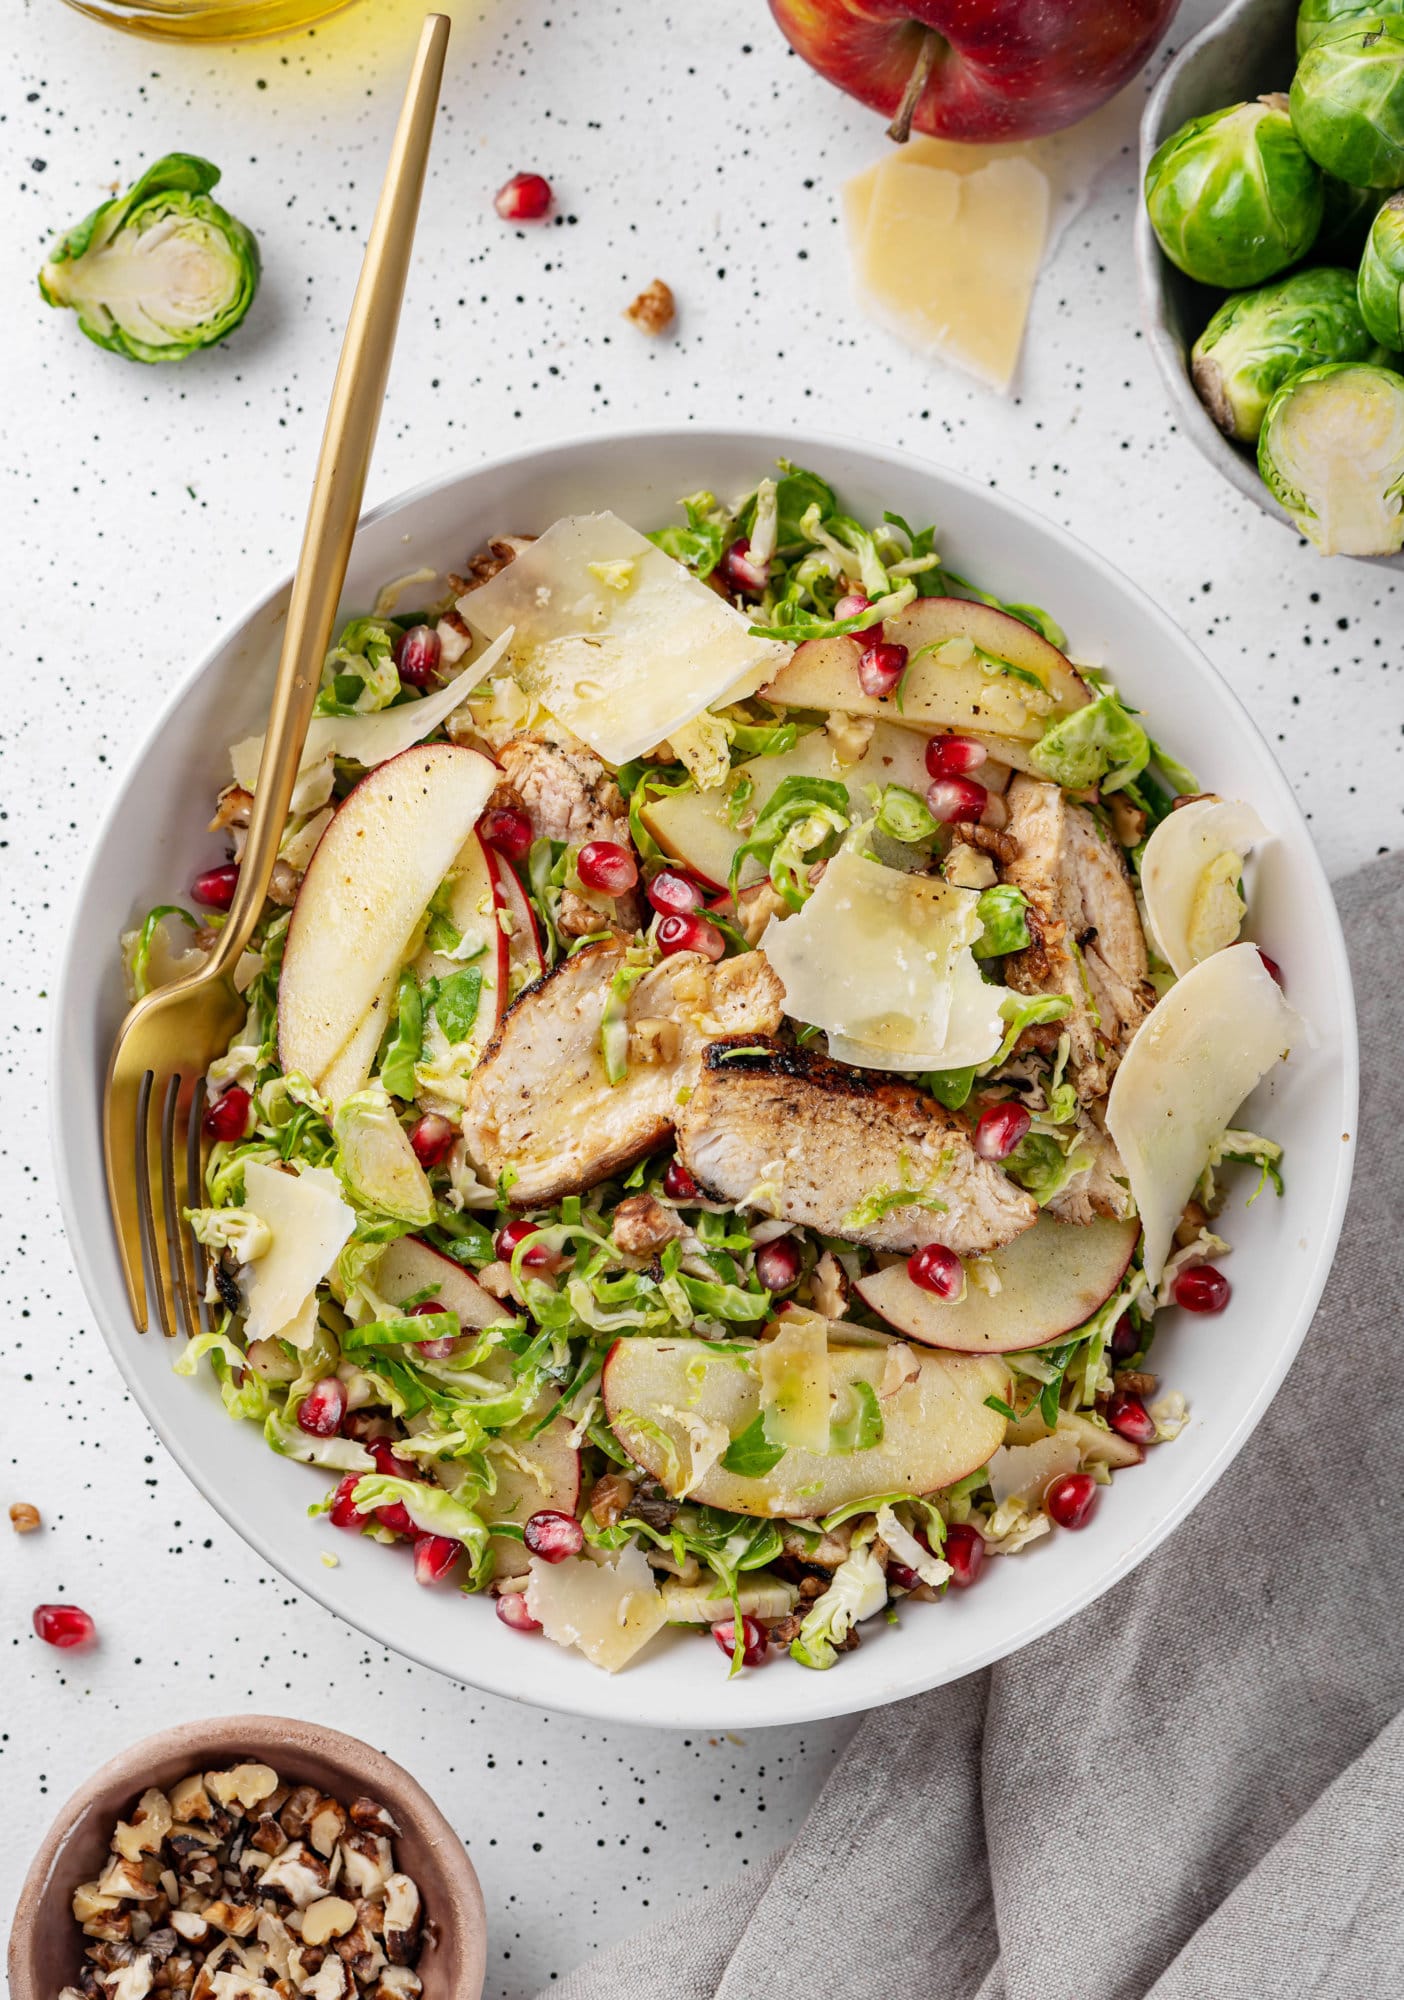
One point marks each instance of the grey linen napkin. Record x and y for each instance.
(1195, 1789)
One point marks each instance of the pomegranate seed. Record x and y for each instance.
(953, 756)
(511, 1608)
(742, 577)
(1126, 1339)
(606, 866)
(999, 1130)
(1129, 1418)
(937, 1269)
(1201, 1290)
(508, 829)
(880, 668)
(417, 655)
(227, 1117)
(1273, 967)
(778, 1264)
(956, 798)
(432, 1139)
(525, 198)
(553, 1536)
(215, 888)
(434, 1557)
(321, 1410)
(965, 1552)
(678, 1183)
(755, 1640)
(343, 1512)
(904, 1578)
(63, 1625)
(672, 894)
(443, 1343)
(689, 932)
(1072, 1500)
(511, 1234)
(852, 605)
(395, 1515)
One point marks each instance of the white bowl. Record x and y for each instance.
(153, 841)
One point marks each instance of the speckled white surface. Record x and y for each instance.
(142, 508)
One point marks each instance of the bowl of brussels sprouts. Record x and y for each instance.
(1270, 248)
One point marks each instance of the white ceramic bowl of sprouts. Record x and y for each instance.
(154, 840)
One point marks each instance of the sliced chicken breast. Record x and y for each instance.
(568, 795)
(1086, 932)
(1102, 1188)
(811, 1140)
(540, 1103)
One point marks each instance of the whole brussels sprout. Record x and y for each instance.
(1348, 104)
(1346, 222)
(1256, 340)
(160, 271)
(1381, 282)
(1232, 196)
(1319, 19)
(1331, 452)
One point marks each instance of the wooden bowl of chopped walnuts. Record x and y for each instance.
(291, 1857)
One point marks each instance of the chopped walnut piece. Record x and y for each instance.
(330, 1982)
(1135, 1381)
(24, 1518)
(301, 1875)
(151, 1822)
(966, 867)
(610, 1498)
(1128, 822)
(402, 1916)
(365, 1862)
(643, 1225)
(397, 1982)
(654, 310)
(757, 909)
(283, 885)
(235, 806)
(326, 1826)
(234, 1919)
(331, 1918)
(653, 1041)
(190, 1801)
(124, 1878)
(369, 1813)
(849, 734)
(828, 1287)
(300, 1806)
(246, 1784)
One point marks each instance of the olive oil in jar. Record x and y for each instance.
(207, 20)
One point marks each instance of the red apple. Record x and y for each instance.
(976, 69)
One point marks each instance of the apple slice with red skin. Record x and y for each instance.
(937, 694)
(526, 959)
(390, 844)
(1002, 69)
(548, 1479)
(409, 1265)
(474, 898)
(1052, 1279)
(936, 1427)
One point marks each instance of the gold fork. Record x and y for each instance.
(170, 1037)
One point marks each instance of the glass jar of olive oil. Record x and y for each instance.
(207, 20)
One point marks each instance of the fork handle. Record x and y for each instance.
(357, 396)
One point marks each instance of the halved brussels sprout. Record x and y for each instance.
(1256, 340)
(157, 272)
(1331, 452)
(1381, 282)
(1317, 20)
(1232, 196)
(1348, 104)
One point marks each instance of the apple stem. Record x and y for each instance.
(900, 130)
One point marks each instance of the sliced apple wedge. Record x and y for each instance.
(533, 1473)
(410, 1265)
(526, 960)
(693, 826)
(471, 903)
(1051, 1279)
(936, 1427)
(390, 845)
(1007, 697)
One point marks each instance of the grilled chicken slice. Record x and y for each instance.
(1087, 939)
(540, 1102)
(568, 795)
(1102, 1188)
(818, 1138)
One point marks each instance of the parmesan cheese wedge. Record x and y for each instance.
(310, 1223)
(1194, 1059)
(622, 644)
(1189, 877)
(609, 1610)
(370, 739)
(882, 962)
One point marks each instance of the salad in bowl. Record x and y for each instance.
(743, 1044)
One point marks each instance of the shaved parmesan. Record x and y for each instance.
(608, 1610)
(794, 1383)
(309, 1223)
(903, 1544)
(882, 962)
(622, 668)
(1189, 877)
(371, 739)
(1022, 1471)
(1194, 1059)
